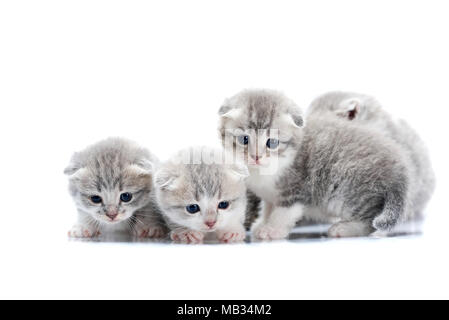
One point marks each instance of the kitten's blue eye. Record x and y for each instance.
(96, 199)
(223, 205)
(126, 197)
(272, 143)
(243, 140)
(193, 208)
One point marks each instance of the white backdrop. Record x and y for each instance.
(73, 72)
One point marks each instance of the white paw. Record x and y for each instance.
(150, 231)
(348, 229)
(267, 232)
(187, 236)
(379, 234)
(231, 235)
(83, 231)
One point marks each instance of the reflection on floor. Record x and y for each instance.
(299, 234)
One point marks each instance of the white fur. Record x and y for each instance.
(348, 229)
(187, 236)
(175, 190)
(277, 222)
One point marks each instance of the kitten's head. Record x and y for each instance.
(263, 127)
(111, 180)
(201, 194)
(354, 107)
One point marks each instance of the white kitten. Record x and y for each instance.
(199, 196)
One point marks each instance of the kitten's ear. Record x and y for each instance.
(137, 170)
(298, 120)
(166, 179)
(144, 167)
(228, 112)
(224, 109)
(72, 168)
(74, 165)
(75, 172)
(294, 117)
(295, 120)
(238, 171)
(349, 108)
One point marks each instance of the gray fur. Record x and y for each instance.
(262, 110)
(262, 107)
(252, 209)
(345, 170)
(347, 173)
(371, 114)
(108, 169)
(180, 182)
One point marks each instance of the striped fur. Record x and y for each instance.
(107, 169)
(348, 172)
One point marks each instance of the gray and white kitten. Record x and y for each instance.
(199, 197)
(111, 184)
(329, 167)
(367, 111)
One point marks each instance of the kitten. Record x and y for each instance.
(199, 196)
(111, 184)
(367, 111)
(328, 166)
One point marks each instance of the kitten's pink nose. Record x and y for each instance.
(112, 214)
(256, 158)
(210, 224)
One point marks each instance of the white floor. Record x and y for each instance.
(308, 265)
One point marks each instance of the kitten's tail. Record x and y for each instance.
(393, 211)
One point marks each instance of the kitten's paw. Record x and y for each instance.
(187, 236)
(267, 232)
(231, 235)
(82, 231)
(349, 229)
(150, 231)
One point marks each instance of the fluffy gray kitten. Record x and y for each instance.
(111, 184)
(367, 111)
(330, 167)
(200, 194)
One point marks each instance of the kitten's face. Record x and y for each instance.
(262, 128)
(201, 197)
(112, 195)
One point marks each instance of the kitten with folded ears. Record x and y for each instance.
(112, 187)
(345, 172)
(202, 197)
(364, 110)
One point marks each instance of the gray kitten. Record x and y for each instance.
(201, 194)
(343, 171)
(367, 111)
(111, 184)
